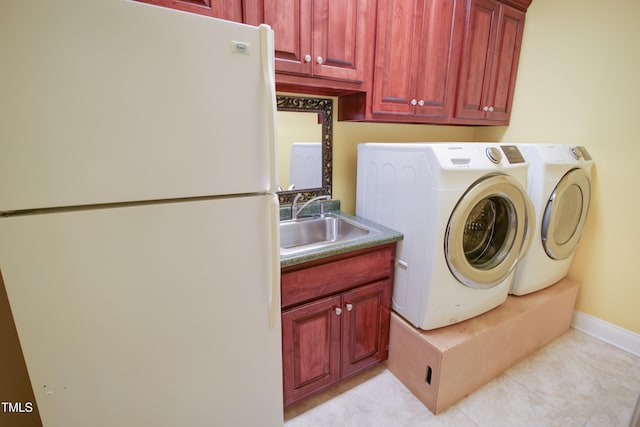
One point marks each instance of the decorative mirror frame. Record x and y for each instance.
(324, 107)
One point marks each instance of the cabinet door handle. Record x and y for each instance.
(421, 103)
(414, 102)
(485, 108)
(349, 307)
(491, 109)
(307, 58)
(319, 60)
(338, 311)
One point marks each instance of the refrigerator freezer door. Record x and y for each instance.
(111, 100)
(149, 315)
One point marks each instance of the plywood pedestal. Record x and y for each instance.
(444, 365)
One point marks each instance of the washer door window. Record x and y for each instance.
(488, 231)
(565, 214)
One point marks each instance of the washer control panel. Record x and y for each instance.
(513, 154)
(475, 155)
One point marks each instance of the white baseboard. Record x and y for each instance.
(607, 332)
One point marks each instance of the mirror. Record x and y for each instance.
(305, 137)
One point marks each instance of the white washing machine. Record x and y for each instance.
(560, 189)
(466, 220)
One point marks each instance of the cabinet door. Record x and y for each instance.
(416, 58)
(365, 328)
(477, 58)
(230, 10)
(397, 56)
(439, 51)
(505, 63)
(311, 347)
(339, 27)
(493, 37)
(291, 23)
(318, 38)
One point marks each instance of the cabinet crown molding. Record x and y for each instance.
(518, 4)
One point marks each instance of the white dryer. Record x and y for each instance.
(560, 189)
(466, 220)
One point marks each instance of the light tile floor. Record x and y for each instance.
(576, 380)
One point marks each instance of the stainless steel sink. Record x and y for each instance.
(316, 232)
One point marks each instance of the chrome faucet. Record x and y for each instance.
(295, 211)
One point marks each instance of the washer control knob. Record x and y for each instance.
(494, 154)
(576, 152)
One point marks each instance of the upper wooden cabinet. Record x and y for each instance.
(321, 46)
(230, 10)
(442, 61)
(490, 53)
(416, 62)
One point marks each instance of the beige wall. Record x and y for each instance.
(578, 83)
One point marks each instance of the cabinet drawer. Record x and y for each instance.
(305, 282)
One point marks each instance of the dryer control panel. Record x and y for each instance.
(513, 154)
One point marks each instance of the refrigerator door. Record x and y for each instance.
(113, 100)
(149, 315)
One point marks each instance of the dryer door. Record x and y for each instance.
(565, 214)
(489, 231)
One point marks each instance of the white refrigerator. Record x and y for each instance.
(139, 240)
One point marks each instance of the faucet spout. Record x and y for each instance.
(295, 211)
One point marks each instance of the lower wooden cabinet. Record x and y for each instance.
(335, 336)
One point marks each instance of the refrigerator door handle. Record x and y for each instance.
(274, 283)
(268, 71)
